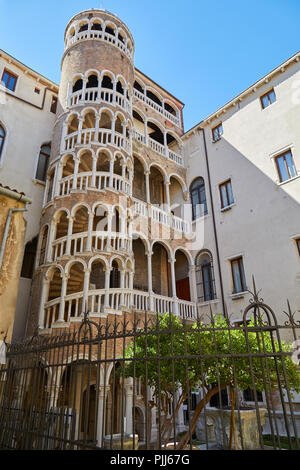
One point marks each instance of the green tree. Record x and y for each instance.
(172, 356)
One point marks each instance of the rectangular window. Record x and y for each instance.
(9, 80)
(43, 162)
(285, 166)
(217, 132)
(268, 98)
(53, 105)
(298, 245)
(238, 275)
(226, 194)
(37, 91)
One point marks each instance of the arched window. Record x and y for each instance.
(2, 138)
(205, 277)
(43, 162)
(29, 259)
(198, 198)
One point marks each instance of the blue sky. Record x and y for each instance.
(204, 53)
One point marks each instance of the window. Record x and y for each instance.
(249, 395)
(285, 166)
(217, 132)
(298, 244)
(9, 80)
(37, 91)
(53, 105)
(238, 275)
(2, 138)
(29, 259)
(205, 277)
(198, 198)
(226, 194)
(267, 99)
(43, 162)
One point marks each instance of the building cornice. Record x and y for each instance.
(243, 95)
(28, 71)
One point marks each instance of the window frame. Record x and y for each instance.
(225, 183)
(11, 75)
(220, 125)
(266, 94)
(297, 241)
(46, 167)
(198, 191)
(283, 155)
(2, 140)
(242, 276)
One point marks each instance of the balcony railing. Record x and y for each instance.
(157, 147)
(97, 95)
(95, 34)
(102, 181)
(157, 107)
(90, 241)
(118, 300)
(140, 208)
(92, 136)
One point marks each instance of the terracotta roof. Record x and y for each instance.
(14, 190)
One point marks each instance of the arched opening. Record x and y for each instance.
(182, 276)
(114, 282)
(105, 120)
(120, 88)
(138, 87)
(139, 423)
(107, 82)
(153, 97)
(89, 120)
(176, 197)
(114, 418)
(118, 163)
(29, 258)
(138, 123)
(43, 246)
(55, 285)
(110, 30)
(139, 182)
(86, 162)
(96, 26)
(198, 198)
(78, 85)
(62, 224)
(103, 162)
(119, 124)
(92, 81)
(155, 133)
(100, 220)
(83, 27)
(140, 281)
(172, 143)
(161, 273)
(97, 276)
(116, 220)
(170, 109)
(205, 279)
(75, 279)
(81, 220)
(73, 124)
(68, 168)
(157, 186)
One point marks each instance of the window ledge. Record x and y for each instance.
(208, 302)
(287, 181)
(227, 208)
(238, 295)
(40, 182)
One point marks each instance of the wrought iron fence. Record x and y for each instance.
(145, 381)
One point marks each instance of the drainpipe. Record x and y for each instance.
(19, 198)
(214, 224)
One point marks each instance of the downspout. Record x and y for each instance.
(225, 314)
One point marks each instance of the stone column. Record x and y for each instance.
(62, 298)
(90, 232)
(111, 172)
(107, 282)
(149, 265)
(86, 285)
(193, 285)
(167, 186)
(129, 403)
(122, 282)
(174, 293)
(44, 296)
(70, 231)
(76, 165)
(94, 170)
(50, 240)
(101, 415)
(80, 124)
(147, 175)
